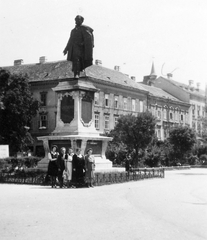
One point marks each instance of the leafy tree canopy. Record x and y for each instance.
(17, 109)
(182, 139)
(134, 131)
(204, 132)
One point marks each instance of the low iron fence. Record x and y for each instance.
(22, 178)
(134, 174)
(101, 178)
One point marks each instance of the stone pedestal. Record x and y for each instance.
(75, 126)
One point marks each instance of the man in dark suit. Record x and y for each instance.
(61, 165)
(80, 47)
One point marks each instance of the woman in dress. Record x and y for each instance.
(79, 166)
(52, 166)
(90, 167)
(68, 167)
(61, 165)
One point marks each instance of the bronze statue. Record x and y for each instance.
(80, 47)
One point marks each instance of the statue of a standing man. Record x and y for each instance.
(80, 47)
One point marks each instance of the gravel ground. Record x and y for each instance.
(172, 208)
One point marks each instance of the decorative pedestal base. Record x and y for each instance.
(75, 126)
(97, 143)
(101, 165)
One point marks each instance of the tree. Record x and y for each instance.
(204, 126)
(135, 132)
(116, 152)
(153, 155)
(17, 109)
(182, 139)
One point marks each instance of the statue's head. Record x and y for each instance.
(79, 20)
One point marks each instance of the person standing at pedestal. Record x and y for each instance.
(79, 166)
(68, 166)
(52, 166)
(90, 167)
(61, 165)
(80, 47)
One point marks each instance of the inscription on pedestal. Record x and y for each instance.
(86, 113)
(67, 109)
(60, 143)
(95, 145)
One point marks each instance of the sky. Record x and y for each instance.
(128, 33)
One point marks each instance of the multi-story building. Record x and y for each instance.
(190, 94)
(169, 110)
(118, 94)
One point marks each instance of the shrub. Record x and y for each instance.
(193, 160)
(203, 159)
(9, 164)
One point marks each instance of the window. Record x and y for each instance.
(115, 120)
(165, 114)
(106, 100)
(186, 117)
(199, 126)
(141, 106)
(171, 116)
(159, 134)
(198, 111)
(116, 101)
(181, 117)
(176, 115)
(155, 112)
(96, 98)
(194, 125)
(193, 109)
(152, 110)
(43, 122)
(133, 105)
(125, 103)
(97, 121)
(203, 111)
(165, 133)
(106, 121)
(159, 114)
(43, 98)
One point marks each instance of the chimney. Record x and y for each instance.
(190, 83)
(42, 59)
(133, 78)
(169, 75)
(98, 62)
(198, 86)
(18, 62)
(117, 68)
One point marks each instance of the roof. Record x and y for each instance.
(113, 76)
(43, 71)
(158, 92)
(186, 88)
(63, 70)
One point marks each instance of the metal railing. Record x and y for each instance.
(101, 178)
(134, 174)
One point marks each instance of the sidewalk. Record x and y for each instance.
(171, 208)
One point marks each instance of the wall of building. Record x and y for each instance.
(111, 111)
(197, 113)
(168, 114)
(106, 116)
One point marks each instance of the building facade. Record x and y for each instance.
(118, 95)
(193, 95)
(169, 111)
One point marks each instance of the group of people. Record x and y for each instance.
(68, 168)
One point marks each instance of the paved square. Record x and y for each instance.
(172, 208)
